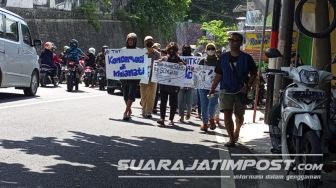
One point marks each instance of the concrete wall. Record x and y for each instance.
(61, 26)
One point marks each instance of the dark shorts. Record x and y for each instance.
(232, 102)
(129, 91)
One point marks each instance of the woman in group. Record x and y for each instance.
(185, 95)
(168, 90)
(209, 103)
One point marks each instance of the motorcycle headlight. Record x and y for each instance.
(309, 77)
(292, 103)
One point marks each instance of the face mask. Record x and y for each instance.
(210, 52)
(171, 53)
(149, 44)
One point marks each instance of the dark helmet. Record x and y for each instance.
(73, 43)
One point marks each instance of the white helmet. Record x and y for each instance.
(92, 50)
(65, 48)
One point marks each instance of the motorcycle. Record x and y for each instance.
(46, 76)
(298, 122)
(63, 74)
(101, 75)
(72, 76)
(89, 75)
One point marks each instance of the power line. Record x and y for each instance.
(212, 12)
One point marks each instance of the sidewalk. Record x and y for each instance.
(255, 136)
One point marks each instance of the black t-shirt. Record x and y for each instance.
(233, 60)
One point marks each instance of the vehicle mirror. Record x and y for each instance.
(272, 53)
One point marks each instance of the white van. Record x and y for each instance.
(19, 65)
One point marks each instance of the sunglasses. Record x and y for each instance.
(213, 49)
(234, 40)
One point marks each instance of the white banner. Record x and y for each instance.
(191, 62)
(169, 73)
(203, 77)
(126, 64)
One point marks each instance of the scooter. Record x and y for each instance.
(72, 76)
(101, 75)
(46, 77)
(63, 74)
(89, 74)
(298, 122)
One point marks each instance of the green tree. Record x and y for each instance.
(160, 15)
(218, 30)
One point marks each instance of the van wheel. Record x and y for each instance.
(34, 84)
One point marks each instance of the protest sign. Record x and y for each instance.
(126, 64)
(191, 62)
(203, 77)
(169, 73)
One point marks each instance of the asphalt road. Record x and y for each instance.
(61, 139)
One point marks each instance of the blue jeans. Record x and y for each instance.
(185, 99)
(208, 106)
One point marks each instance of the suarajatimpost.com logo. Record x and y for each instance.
(218, 165)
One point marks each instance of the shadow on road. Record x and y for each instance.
(96, 159)
(11, 97)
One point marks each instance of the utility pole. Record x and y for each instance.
(323, 45)
(272, 61)
(285, 40)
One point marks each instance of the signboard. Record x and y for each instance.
(126, 64)
(169, 73)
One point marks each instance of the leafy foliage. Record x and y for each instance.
(161, 15)
(89, 9)
(218, 30)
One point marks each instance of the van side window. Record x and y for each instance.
(2, 28)
(26, 35)
(12, 30)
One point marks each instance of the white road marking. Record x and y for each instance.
(51, 101)
(224, 154)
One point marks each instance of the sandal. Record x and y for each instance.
(126, 118)
(204, 127)
(160, 122)
(230, 144)
(212, 124)
(188, 116)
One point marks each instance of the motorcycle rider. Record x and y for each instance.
(90, 62)
(100, 60)
(63, 55)
(46, 58)
(74, 53)
(56, 60)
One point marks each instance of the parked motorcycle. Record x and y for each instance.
(89, 75)
(298, 122)
(101, 75)
(46, 76)
(72, 76)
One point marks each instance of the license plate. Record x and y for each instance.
(308, 95)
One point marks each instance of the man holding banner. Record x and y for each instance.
(148, 89)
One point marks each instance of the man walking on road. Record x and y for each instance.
(148, 91)
(235, 73)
